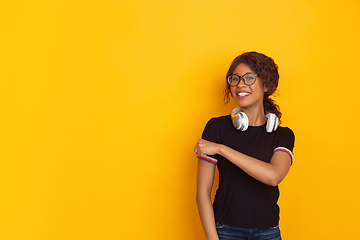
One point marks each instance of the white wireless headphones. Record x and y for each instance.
(241, 121)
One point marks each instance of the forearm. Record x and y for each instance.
(206, 213)
(261, 171)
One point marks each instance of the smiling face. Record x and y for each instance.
(247, 96)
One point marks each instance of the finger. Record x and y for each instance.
(197, 150)
(196, 146)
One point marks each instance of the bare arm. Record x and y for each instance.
(205, 179)
(269, 173)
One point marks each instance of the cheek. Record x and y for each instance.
(232, 91)
(259, 87)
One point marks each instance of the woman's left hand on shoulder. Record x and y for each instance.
(204, 147)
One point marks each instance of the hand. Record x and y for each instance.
(203, 148)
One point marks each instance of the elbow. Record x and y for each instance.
(273, 183)
(202, 196)
(197, 198)
(274, 180)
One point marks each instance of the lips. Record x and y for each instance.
(243, 94)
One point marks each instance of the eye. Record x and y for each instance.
(235, 78)
(249, 77)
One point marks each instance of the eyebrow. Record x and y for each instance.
(242, 74)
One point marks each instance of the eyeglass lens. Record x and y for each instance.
(248, 79)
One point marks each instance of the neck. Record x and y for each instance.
(256, 116)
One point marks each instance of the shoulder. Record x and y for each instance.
(285, 131)
(285, 137)
(215, 128)
(220, 123)
(220, 120)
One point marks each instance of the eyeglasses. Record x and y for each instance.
(248, 79)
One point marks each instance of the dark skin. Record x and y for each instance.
(250, 99)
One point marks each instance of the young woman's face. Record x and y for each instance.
(247, 96)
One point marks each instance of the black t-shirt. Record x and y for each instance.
(240, 199)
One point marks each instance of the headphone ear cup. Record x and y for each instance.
(276, 123)
(239, 119)
(272, 122)
(244, 121)
(236, 121)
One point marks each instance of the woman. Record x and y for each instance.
(252, 153)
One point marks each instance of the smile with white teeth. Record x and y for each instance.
(242, 94)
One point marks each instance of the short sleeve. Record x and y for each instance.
(285, 142)
(286, 139)
(210, 134)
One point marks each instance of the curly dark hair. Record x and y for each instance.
(264, 67)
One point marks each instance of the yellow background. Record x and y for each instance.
(102, 103)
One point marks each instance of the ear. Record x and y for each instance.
(265, 88)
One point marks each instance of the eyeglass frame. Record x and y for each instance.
(242, 78)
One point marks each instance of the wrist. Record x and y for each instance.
(221, 149)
